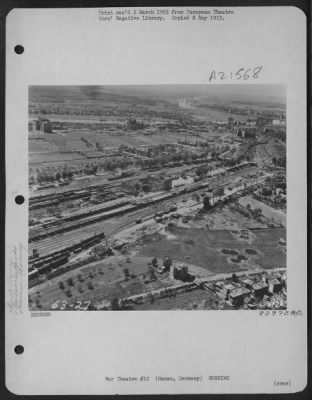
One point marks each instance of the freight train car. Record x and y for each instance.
(43, 204)
(84, 244)
(68, 226)
(87, 213)
(56, 262)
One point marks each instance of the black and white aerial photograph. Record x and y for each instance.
(157, 197)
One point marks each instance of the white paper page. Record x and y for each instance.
(168, 146)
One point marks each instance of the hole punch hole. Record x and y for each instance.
(19, 349)
(19, 199)
(19, 49)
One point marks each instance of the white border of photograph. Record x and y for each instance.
(74, 353)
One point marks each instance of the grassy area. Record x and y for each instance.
(98, 282)
(204, 248)
(269, 212)
(53, 147)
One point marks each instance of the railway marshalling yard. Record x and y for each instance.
(110, 228)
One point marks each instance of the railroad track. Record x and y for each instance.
(114, 223)
(93, 213)
(73, 194)
(109, 227)
(88, 220)
(64, 240)
(63, 194)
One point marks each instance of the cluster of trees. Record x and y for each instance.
(145, 185)
(202, 170)
(36, 301)
(162, 154)
(115, 304)
(277, 134)
(134, 125)
(84, 108)
(48, 175)
(203, 144)
(166, 262)
(266, 191)
(206, 203)
(249, 134)
(158, 159)
(231, 162)
(98, 146)
(126, 273)
(90, 170)
(115, 163)
(88, 144)
(186, 157)
(150, 275)
(167, 185)
(256, 212)
(161, 149)
(279, 162)
(71, 283)
(182, 274)
(218, 192)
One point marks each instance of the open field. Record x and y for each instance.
(60, 148)
(267, 211)
(261, 152)
(108, 281)
(225, 218)
(72, 141)
(204, 248)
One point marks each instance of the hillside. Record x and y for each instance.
(260, 152)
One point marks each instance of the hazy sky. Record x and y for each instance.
(234, 90)
(274, 93)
